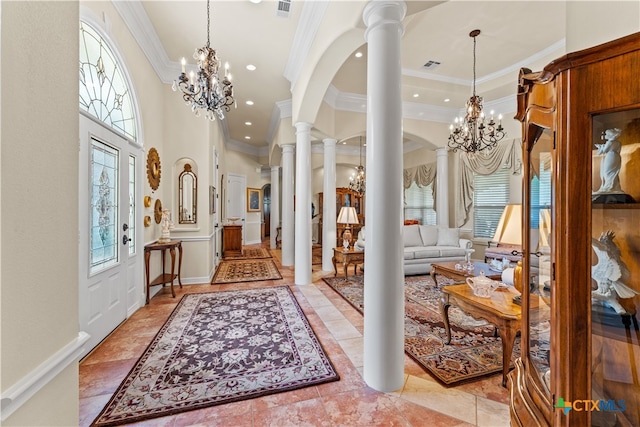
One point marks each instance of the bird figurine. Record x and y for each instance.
(610, 273)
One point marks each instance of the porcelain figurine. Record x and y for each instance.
(167, 226)
(611, 161)
(611, 273)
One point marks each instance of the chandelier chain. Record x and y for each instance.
(209, 23)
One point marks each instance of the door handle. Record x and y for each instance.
(125, 227)
(125, 239)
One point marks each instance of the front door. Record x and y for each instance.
(110, 261)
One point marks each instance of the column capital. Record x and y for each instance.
(275, 168)
(443, 151)
(303, 127)
(288, 148)
(383, 12)
(329, 142)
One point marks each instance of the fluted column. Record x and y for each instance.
(303, 204)
(288, 244)
(275, 205)
(384, 271)
(329, 214)
(442, 187)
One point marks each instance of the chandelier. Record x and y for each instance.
(204, 90)
(474, 133)
(357, 180)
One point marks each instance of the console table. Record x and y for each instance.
(164, 278)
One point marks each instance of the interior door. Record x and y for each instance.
(110, 262)
(236, 198)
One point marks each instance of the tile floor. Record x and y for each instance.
(348, 402)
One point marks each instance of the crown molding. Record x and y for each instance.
(140, 26)
(310, 20)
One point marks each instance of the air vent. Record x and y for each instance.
(430, 65)
(284, 8)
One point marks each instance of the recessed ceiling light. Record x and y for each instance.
(255, 1)
(251, 67)
(344, 142)
(248, 123)
(247, 137)
(249, 102)
(358, 54)
(447, 100)
(415, 95)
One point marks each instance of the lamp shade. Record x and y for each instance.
(348, 215)
(509, 228)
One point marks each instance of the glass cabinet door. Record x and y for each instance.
(539, 253)
(615, 268)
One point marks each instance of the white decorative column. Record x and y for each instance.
(288, 248)
(303, 204)
(329, 214)
(442, 187)
(384, 271)
(275, 205)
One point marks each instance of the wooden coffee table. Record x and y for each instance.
(448, 269)
(346, 257)
(499, 310)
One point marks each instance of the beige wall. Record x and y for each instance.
(39, 218)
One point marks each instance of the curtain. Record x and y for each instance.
(507, 154)
(422, 175)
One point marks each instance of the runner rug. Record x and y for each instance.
(252, 253)
(218, 348)
(474, 351)
(246, 270)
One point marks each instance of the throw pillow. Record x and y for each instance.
(448, 237)
(429, 234)
(412, 236)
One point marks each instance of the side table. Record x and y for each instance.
(164, 278)
(347, 257)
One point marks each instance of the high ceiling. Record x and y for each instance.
(514, 34)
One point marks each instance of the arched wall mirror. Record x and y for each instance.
(187, 196)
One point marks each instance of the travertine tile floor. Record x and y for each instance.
(348, 402)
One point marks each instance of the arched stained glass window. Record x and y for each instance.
(103, 88)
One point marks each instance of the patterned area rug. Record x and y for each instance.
(246, 271)
(474, 351)
(218, 348)
(252, 253)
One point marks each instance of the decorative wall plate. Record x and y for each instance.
(147, 221)
(147, 201)
(154, 170)
(157, 211)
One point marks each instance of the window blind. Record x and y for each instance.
(490, 195)
(418, 204)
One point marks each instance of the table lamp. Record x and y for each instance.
(348, 216)
(509, 229)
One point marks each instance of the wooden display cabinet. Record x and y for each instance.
(344, 197)
(588, 351)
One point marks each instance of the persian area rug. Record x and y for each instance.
(316, 254)
(474, 351)
(248, 270)
(218, 348)
(252, 253)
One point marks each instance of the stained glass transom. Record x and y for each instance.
(104, 92)
(104, 207)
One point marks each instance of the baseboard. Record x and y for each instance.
(20, 392)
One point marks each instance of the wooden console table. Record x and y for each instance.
(164, 278)
(232, 241)
(347, 257)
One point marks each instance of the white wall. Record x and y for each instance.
(39, 217)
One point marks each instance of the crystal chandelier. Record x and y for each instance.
(204, 90)
(474, 133)
(357, 180)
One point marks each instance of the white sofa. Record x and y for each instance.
(426, 244)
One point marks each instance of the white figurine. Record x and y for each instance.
(611, 273)
(167, 226)
(611, 161)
